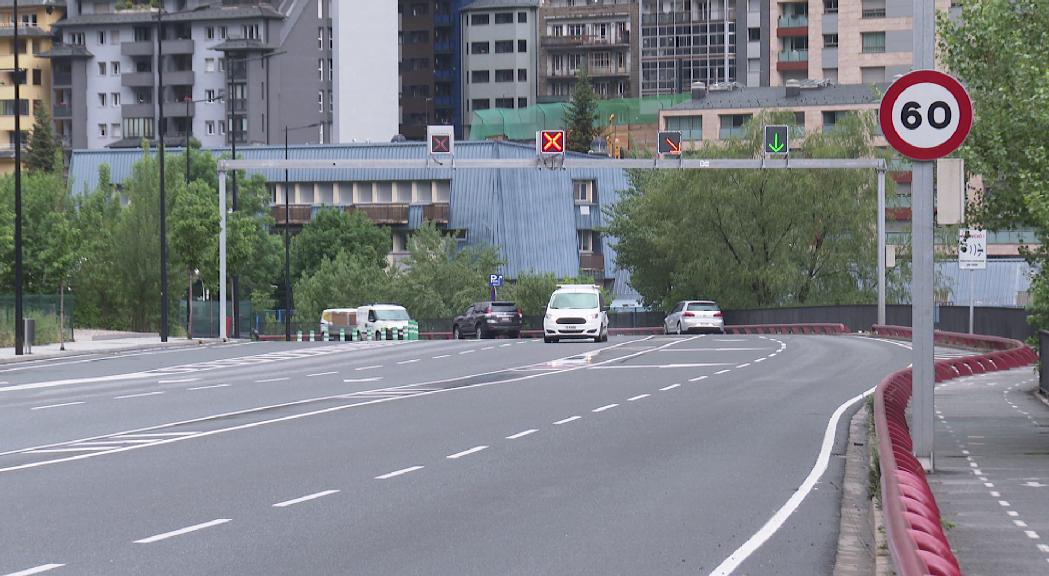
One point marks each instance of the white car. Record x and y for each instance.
(575, 312)
(694, 316)
(381, 321)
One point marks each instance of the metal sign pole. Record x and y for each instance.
(972, 297)
(222, 256)
(881, 247)
(923, 407)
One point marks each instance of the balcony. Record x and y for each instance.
(137, 80)
(791, 60)
(584, 41)
(298, 214)
(443, 74)
(382, 213)
(436, 213)
(63, 111)
(794, 21)
(592, 261)
(442, 19)
(175, 47)
(63, 78)
(178, 109)
(442, 47)
(873, 13)
(137, 48)
(138, 111)
(180, 78)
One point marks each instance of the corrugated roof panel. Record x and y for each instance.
(1002, 283)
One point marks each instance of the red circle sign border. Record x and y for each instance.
(952, 85)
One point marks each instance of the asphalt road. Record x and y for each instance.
(644, 455)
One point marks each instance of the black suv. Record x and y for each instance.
(488, 320)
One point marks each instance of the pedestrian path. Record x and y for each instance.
(91, 342)
(992, 472)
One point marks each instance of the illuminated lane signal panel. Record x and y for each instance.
(669, 143)
(441, 140)
(550, 142)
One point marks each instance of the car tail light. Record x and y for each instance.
(718, 314)
(520, 312)
(688, 315)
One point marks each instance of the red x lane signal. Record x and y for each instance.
(440, 144)
(552, 141)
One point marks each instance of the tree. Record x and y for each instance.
(531, 291)
(61, 256)
(997, 48)
(754, 238)
(332, 231)
(40, 153)
(345, 281)
(581, 114)
(194, 226)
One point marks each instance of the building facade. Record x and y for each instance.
(230, 70)
(430, 92)
(366, 82)
(686, 41)
(500, 55)
(35, 19)
(601, 35)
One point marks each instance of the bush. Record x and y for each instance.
(46, 328)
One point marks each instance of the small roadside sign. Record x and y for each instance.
(777, 140)
(669, 143)
(925, 114)
(495, 280)
(972, 249)
(550, 142)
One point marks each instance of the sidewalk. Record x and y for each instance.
(90, 341)
(992, 472)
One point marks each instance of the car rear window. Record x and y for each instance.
(702, 307)
(504, 307)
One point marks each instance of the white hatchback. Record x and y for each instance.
(694, 316)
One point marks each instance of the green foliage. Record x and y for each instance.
(751, 238)
(345, 281)
(581, 114)
(98, 300)
(333, 231)
(532, 291)
(40, 152)
(439, 280)
(998, 49)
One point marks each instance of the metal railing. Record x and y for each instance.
(794, 56)
(793, 21)
(1043, 348)
(873, 12)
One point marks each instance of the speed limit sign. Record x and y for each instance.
(925, 114)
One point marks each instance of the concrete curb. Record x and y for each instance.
(856, 540)
(69, 354)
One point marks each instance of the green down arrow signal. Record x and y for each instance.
(776, 145)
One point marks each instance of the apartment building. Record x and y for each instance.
(230, 70)
(500, 59)
(600, 35)
(686, 41)
(35, 19)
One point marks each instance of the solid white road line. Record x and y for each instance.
(567, 420)
(372, 367)
(264, 380)
(154, 435)
(671, 387)
(780, 517)
(458, 455)
(320, 374)
(413, 361)
(442, 356)
(177, 381)
(137, 395)
(721, 372)
(182, 531)
(208, 387)
(372, 379)
(638, 397)
(307, 498)
(399, 472)
(35, 570)
(603, 408)
(57, 450)
(120, 442)
(697, 378)
(522, 434)
(55, 405)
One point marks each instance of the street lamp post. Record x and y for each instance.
(163, 202)
(19, 321)
(287, 238)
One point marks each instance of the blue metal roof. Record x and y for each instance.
(530, 215)
(1005, 282)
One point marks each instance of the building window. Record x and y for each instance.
(331, 43)
(830, 6)
(586, 240)
(102, 130)
(320, 100)
(331, 68)
(831, 119)
(101, 37)
(830, 40)
(114, 36)
(479, 77)
(583, 191)
(209, 127)
(209, 94)
(320, 38)
(114, 68)
(733, 126)
(600, 60)
(478, 19)
(101, 68)
(522, 75)
(504, 18)
(76, 38)
(691, 127)
(754, 34)
(522, 17)
(522, 45)
(223, 31)
(37, 77)
(221, 63)
(102, 99)
(479, 104)
(504, 46)
(522, 102)
(209, 32)
(222, 128)
(873, 42)
(872, 75)
(479, 47)
(114, 99)
(504, 75)
(209, 64)
(504, 102)
(320, 69)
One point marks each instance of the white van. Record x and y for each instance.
(576, 311)
(377, 319)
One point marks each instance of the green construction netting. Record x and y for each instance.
(523, 123)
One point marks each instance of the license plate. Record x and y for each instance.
(572, 328)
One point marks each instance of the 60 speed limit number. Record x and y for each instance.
(926, 115)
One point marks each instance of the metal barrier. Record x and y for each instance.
(917, 542)
(1043, 347)
(788, 329)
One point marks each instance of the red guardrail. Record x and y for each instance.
(787, 329)
(917, 542)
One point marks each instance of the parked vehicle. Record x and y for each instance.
(576, 311)
(381, 320)
(488, 320)
(694, 316)
(335, 319)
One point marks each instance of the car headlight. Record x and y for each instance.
(595, 316)
(549, 316)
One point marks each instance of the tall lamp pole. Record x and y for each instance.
(287, 238)
(19, 321)
(163, 197)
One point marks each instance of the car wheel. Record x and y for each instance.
(666, 330)
(455, 333)
(479, 331)
(679, 328)
(513, 335)
(378, 335)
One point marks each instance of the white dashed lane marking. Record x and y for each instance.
(442, 356)
(320, 374)
(372, 367)
(306, 498)
(603, 408)
(413, 361)
(182, 531)
(522, 434)
(638, 397)
(567, 420)
(36, 570)
(671, 387)
(473, 450)
(721, 372)
(264, 380)
(55, 405)
(399, 472)
(136, 395)
(208, 387)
